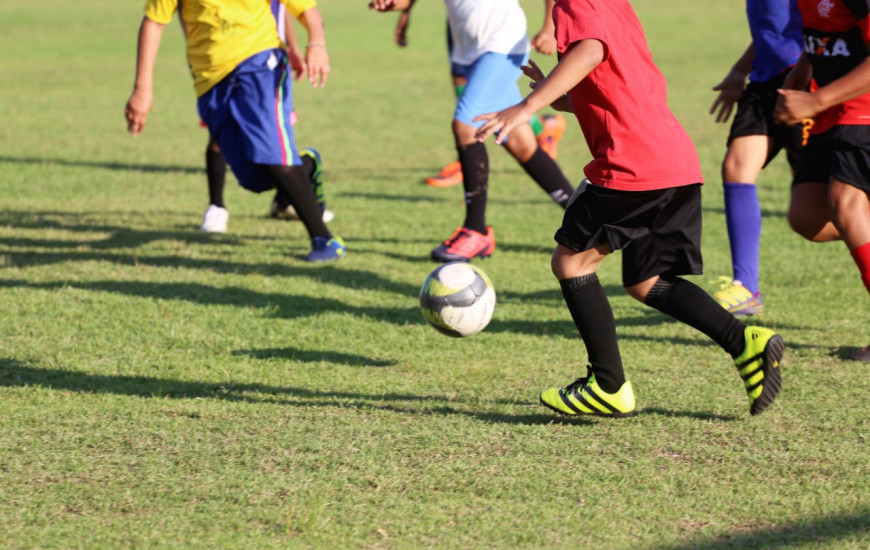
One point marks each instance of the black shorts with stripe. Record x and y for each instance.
(842, 152)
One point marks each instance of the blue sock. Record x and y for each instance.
(743, 218)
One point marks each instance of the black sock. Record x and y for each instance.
(687, 303)
(308, 166)
(475, 178)
(216, 171)
(291, 181)
(593, 317)
(549, 177)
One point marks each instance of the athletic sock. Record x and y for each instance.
(861, 255)
(292, 182)
(459, 89)
(593, 318)
(687, 303)
(743, 218)
(549, 177)
(216, 171)
(475, 178)
(308, 166)
(537, 125)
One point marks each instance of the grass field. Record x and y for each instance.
(160, 387)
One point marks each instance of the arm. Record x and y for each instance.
(575, 65)
(793, 106)
(389, 5)
(401, 35)
(800, 75)
(545, 39)
(136, 111)
(294, 52)
(315, 52)
(731, 87)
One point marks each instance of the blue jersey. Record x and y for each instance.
(775, 26)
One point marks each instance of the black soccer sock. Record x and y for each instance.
(475, 178)
(593, 317)
(216, 171)
(291, 181)
(687, 303)
(549, 177)
(308, 166)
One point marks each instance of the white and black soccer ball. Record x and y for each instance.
(457, 299)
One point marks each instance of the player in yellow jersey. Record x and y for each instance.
(241, 77)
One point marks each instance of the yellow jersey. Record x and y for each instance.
(223, 33)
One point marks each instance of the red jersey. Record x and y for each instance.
(836, 34)
(636, 142)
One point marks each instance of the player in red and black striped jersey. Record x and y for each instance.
(830, 197)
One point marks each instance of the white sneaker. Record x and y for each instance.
(289, 213)
(215, 220)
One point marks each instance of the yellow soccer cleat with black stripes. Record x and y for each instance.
(585, 397)
(758, 366)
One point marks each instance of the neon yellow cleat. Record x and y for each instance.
(758, 366)
(584, 397)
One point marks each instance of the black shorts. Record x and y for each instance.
(755, 117)
(843, 152)
(659, 232)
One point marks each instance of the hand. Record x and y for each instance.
(382, 5)
(298, 68)
(317, 61)
(730, 90)
(136, 111)
(545, 41)
(793, 106)
(401, 35)
(502, 122)
(533, 72)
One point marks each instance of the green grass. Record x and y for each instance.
(164, 388)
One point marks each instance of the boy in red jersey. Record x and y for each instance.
(829, 197)
(642, 195)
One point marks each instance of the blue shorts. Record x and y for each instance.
(492, 86)
(248, 114)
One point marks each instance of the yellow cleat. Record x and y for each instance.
(758, 366)
(585, 397)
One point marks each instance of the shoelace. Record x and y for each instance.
(580, 382)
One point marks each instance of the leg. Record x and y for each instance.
(216, 171)
(473, 238)
(523, 146)
(809, 215)
(216, 216)
(605, 390)
(850, 210)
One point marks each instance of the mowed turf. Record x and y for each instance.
(164, 388)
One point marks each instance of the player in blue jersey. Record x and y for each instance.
(755, 139)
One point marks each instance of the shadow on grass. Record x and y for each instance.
(280, 305)
(103, 165)
(14, 373)
(687, 414)
(309, 356)
(809, 532)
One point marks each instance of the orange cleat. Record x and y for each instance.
(449, 176)
(548, 139)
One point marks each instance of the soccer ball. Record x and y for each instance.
(457, 299)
